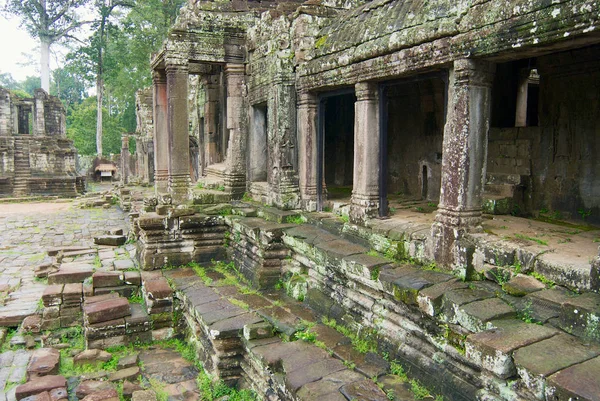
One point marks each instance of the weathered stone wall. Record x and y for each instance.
(565, 161)
(415, 133)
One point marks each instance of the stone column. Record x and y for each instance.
(365, 190)
(235, 168)
(39, 120)
(177, 127)
(464, 157)
(211, 120)
(124, 159)
(307, 148)
(161, 137)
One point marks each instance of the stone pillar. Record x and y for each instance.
(211, 120)
(125, 159)
(161, 137)
(307, 149)
(365, 191)
(464, 157)
(177, 127)
(235, 169)
(39, 120)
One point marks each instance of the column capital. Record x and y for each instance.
(474, 72)
(307, 99)
(159, 77)
(235, 69)
(366, 91)
(176, 67)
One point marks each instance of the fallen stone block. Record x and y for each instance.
(103, 395)
(107, 310)
(52, 295)
(71, 273)
(39, 385)
(44, 361)
(111, 240)
(107, 279)
(522, 285)
(32, 323)
(91, 356)
(88, 387)
(124, 374)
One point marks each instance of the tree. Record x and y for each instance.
(46, 20)
(7, 81)
(81, 128)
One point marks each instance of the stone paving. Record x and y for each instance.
(27, 231)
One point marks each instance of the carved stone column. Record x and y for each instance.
(464, 157)
(307, 149)
(39, 118)
(365, 191)
(125, 159)
(235, 172)
(211, 120)
(161, 136)
(177, 127)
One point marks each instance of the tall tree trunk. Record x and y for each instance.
(99, 95)
(45, 63)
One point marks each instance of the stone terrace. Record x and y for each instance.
(27, 232)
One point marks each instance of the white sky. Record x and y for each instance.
(17, 48)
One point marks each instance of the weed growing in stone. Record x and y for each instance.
(362, 343)
(419, 390)
(295, 220)
(398, 370)
(211, 390)
(375, 273)
(239, 303)
(534, 239)
(543, 279)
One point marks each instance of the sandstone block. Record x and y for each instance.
(107, 279)
(39, 385)
(44, 361)
(107, 310)
(112, 240)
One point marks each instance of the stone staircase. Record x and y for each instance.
(22, 167)
(508, 175)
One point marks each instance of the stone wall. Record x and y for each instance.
(40, 162)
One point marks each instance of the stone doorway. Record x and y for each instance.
(336, 114)
(413, 118)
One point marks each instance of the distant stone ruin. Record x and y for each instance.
(36, 158)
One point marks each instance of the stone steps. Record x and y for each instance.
(234, 336)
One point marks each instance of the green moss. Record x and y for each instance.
(320, 42)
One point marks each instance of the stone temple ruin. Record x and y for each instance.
(37, 158)
(357, 200)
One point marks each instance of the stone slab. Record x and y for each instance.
(39, 385)
(578, 382)
(493, 349)
(107, 310)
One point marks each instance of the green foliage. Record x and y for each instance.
(584, 213)
(362, 342)
(320, 42)
(211, 390)
(526, 313)
(247, 197)
(82, 129)
(375, 273)
(420, 392)
(295, 219)
(397, 369)
(534, 239)
(543, 279)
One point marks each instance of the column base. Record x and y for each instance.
(235, 184)
(363, 207)
(179, 188)
(286, 195)
(447, 232)
(161, 182)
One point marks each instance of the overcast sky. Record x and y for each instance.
(17, 48)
